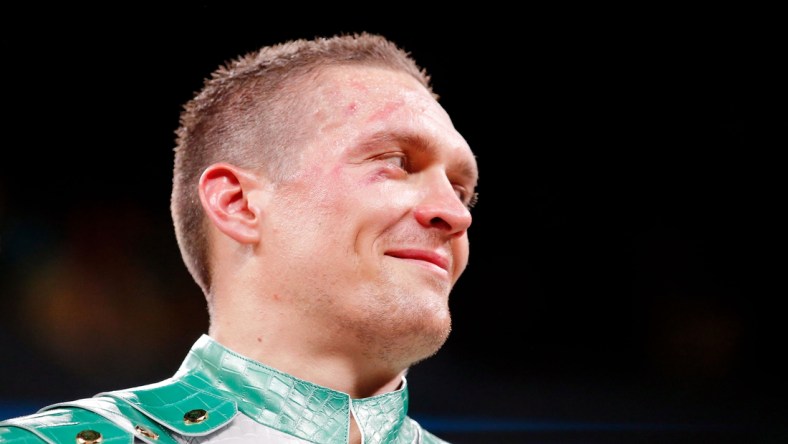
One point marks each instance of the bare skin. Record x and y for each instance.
(341, 275)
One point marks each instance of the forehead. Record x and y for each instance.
(353, 104)
(352, 90)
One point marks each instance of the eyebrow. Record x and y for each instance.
(465, 168)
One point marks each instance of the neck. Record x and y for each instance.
(329, 365)
(283, 332)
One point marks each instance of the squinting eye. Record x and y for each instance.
(468, 199)
(472, 201)
(398, 161)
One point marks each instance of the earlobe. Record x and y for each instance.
(225, 192)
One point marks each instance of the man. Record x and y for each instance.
(321, 200)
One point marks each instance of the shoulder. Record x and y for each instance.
(86, 420)
(157, 413)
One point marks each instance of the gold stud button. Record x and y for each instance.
(144, 431)
(89, 437)
(195, 416)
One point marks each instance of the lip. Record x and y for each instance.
(428, 256)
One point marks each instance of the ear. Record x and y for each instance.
(225, 192)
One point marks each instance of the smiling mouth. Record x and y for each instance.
(422, 257)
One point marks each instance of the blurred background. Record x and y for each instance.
(623, 283)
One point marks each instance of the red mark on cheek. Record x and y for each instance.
(336, 175)
(375, 177)
(386, 111)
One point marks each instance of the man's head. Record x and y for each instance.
(325, 174)
(249, 113)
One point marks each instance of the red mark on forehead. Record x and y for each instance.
(351, 108)
(386, 111)
(359, 85)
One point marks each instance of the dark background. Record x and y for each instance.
(623, 283)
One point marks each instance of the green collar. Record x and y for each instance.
(292, 405)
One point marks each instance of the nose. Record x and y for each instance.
(441, 208)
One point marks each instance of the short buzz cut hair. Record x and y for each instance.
(247, 114)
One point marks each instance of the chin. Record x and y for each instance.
(406, 335)
(428, 335)
(430, 344)
(404, 326)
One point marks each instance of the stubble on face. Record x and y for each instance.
(388, 321)
(387, 310)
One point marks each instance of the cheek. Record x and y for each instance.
(377, 190)
(338, 205)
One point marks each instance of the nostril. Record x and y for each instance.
(438, 222)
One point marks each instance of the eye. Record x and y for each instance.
(397, 160)
(473, 200)
(469, 199)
